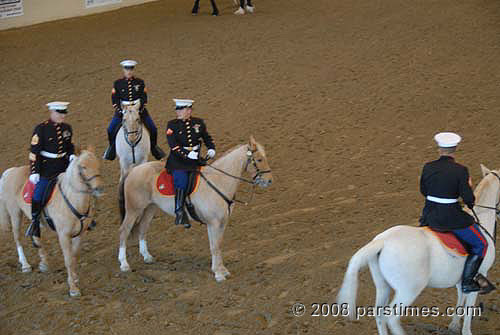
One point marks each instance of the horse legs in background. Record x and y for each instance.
(146, 219)
(470, 302)
(15, 219)
(215, 236)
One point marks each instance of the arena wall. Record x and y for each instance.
(38, 11)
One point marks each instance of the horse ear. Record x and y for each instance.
(91, 149)
(252, 143)
(485, 170)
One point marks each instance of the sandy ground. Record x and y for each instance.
(345, 96)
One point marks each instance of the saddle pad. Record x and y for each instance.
(450, 242)
(29, 189)
(165, 184)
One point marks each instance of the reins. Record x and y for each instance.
(254, 181)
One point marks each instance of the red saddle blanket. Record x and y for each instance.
(165, 184)
(29, 189)
(450, 242)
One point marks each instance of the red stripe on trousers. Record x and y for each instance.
(478, 233)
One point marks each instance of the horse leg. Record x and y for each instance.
(241, 10)
(470, 302)
(215, 235)
(15, 219)
(75, 253)
(404, 297)
(65, 242)
(382, 295)
(214, 7)
(196, 7)
(126, 227)
(454, 325)
(143, 228)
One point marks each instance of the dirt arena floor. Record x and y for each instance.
(344, 95)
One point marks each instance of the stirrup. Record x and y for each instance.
(484, 284)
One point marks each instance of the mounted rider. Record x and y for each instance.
(51, 152)
(130, 88)
(184, 136)
(442, 182)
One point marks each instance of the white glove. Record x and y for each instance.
(211, 153)
(35, 178)
(193, 155)
(71, 158)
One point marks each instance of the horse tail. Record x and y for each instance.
(121, 197)
(346, 297)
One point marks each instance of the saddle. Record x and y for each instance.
(449, 241)
(165, 183)
(29, 189)
(165, 186)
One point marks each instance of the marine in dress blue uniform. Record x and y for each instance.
(185, 135)
(130, 88)
(443, 182)
(51, 152)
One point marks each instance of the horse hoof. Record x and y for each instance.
(220, 278)
(240, 11)
(125, 268)
(215, 14)
(250, 9)
(43, 267)
(149, 260)
(26, 269)
(75, 293)
(454, 328)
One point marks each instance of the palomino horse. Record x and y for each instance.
(68, 208)
(212, 201)
(242, 5)
(409, 259)
(132, 141)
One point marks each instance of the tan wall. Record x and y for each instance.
(37, 11)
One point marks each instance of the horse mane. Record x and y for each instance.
(485, 182)
(228, 153)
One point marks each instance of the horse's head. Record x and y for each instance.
(257, 164)
(88, 168)
(489, 187)
(132, 124)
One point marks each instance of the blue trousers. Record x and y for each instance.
(40, 189)
(116, 122)
(181, 179)
(473, 239)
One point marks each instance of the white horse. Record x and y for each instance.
(409, 259)
(132, 140)
(212, 201)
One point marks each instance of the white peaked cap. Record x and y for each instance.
(58, 105)
(447, 140)
(128, 62)
(128, 103)
(181, 103)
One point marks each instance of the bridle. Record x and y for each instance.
(126, 134)
(256, 179)
(497, 212)
(86, 180)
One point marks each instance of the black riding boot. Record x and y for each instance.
(155, 149)
(34, 228)
(180, 213)
(110, 153)
(196, 7)
(215, 9)
(470, 270)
